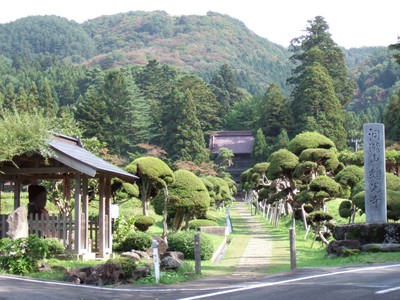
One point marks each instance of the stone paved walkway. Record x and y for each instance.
(257, 255)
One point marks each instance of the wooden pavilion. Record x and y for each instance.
(70, 162)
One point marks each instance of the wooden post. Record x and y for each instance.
(78, 216)
(107, 208)
(17, 192)
(197, 253)
(101, 234)
(85, 213)
(292, 237)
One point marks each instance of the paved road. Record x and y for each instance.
(372, 282)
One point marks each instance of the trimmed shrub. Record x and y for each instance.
(193, 224)
(54, 246)
(143, 223)
(345, 209)
(135, 241)
(183, 241)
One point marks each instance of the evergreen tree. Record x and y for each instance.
(155, 82)
(391, 118)
(321, 84)
(273, 113)
(260, 148)
(113, 112)
(10, 98)
(318, 46)
(242, 115)
(183, 138)
(316, 107)
(224, 85)
(282, 140)
(207, 107)
(46, 101)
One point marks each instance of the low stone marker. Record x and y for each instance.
(374, 173)
(18, 224)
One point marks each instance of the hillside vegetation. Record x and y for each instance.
(195, 44)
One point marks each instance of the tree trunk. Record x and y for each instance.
(304, 215)
(178, 220)
(165, 226)
(145, 195)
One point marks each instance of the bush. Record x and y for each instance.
(122, 227)
(54, 246)
(144, 222)
(21, 256)
(193, 224)
(183, 241)
(135, 241)
(127, 265)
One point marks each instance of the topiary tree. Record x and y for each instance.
(154, 175)
(348, 178)
(188, 196)
(281, 168)
(309, 140)
(321, 189)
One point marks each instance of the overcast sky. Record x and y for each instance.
(352, 23)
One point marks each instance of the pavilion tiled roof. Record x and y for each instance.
(239, 142)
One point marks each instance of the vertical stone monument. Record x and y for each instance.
(374, 173)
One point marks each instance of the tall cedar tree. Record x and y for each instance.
(182, 136)
(274, 113)
(207, 106)
(260, 148)
(321, 84)
(109, 112)
(318, 46)
(316, 106)
(155, 82)
(224, 86)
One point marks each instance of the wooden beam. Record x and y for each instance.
(43, 170)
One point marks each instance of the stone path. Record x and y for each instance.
(257, 255)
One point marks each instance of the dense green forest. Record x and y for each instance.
(138, 82)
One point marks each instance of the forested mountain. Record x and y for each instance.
(195, 44)
(53, 35)
(192, 43)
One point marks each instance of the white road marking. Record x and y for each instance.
(387, 290)
(256, 286)
(223, 289)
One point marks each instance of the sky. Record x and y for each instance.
(352, 23)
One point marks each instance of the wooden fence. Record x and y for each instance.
(59, 227)
(271, 212)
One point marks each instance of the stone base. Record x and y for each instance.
(380, 248)
(369, 233)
